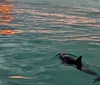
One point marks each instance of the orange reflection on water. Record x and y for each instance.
(10, 32)
(6, 12)
(9, 0)
(57, 18)
(21, 77)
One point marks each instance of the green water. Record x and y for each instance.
(50, 28)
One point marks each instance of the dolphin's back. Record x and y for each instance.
(89, 71)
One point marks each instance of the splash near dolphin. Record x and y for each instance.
(69, 59)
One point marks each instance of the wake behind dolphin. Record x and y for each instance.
(70, 60)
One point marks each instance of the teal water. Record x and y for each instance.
(46, 28)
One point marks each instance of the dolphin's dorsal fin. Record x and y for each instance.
(79, 62)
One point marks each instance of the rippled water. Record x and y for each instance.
(32, 33)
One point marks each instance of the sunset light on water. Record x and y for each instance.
(6, 12)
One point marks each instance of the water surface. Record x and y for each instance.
(33, 32)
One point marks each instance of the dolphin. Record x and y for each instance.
(70, 60)
(97, 79)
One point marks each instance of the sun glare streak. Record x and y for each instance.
(10, 32)
(6, 12)
(79, 37)
(64, 19)
(21, 77)
(75, 16)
